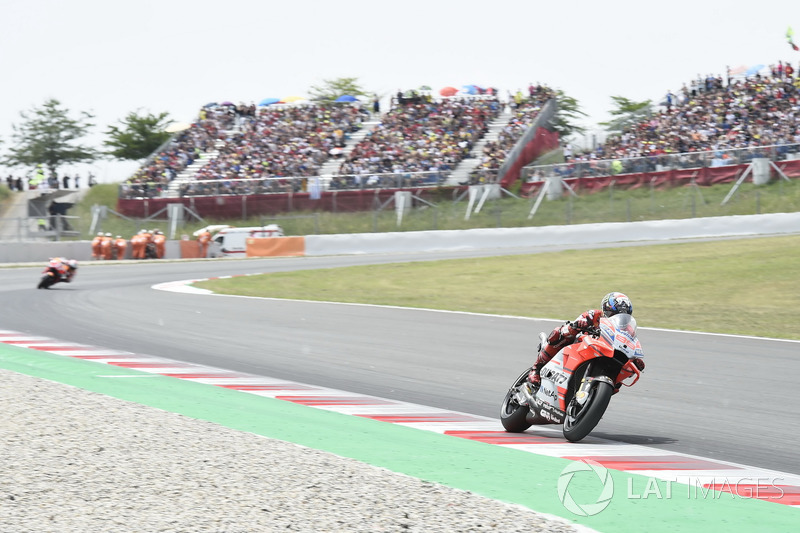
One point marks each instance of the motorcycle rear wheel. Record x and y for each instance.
(514, 416)
(579, 423)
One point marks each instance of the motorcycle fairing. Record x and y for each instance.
(555, 379)
(620, 333)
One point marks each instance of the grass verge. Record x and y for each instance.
(747, 286)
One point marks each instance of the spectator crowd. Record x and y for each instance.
(705, 123)
(277, 143)
(524, 110)
(40, 182)
(418, 135)
(154, 176)
(260, 149)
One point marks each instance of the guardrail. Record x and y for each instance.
(44, 228)
(284, 185)
(661, 162)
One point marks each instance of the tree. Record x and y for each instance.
(139, 137)
(627, 113)
(48, 136)
(568, 112)
(330, 90)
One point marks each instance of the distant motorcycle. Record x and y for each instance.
(55, 272)
(577, 384)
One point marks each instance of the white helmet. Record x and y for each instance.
(72, 263)
(108, 235)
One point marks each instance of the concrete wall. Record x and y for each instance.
(365, 243)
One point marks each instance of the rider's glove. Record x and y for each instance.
(581, 324)
(639, 362)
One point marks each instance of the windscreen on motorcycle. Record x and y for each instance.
(620, 331)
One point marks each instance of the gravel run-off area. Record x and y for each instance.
(77, 461)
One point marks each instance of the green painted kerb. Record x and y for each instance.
(499, 473)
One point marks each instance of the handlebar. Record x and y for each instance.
(594, 332)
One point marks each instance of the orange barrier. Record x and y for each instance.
(276, 246)
(190, 249)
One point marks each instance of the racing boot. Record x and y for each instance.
(535, 375)
(547, 352)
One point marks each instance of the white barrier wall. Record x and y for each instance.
(474, 239)
(38, 252)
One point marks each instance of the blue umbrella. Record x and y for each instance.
(269, 101)
(469, 89)
(346, 98)
(210, 104)
(752, 71)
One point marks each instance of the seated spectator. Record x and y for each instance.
(709, 117)
(153, 177)
(279, 142)
(419, 135)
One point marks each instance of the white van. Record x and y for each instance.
(232, 241)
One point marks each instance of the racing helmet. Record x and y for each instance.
(73, 264)
(616, 302)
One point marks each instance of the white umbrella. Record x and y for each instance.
(177, 126)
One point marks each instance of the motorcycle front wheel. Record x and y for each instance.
(581, 420)
(46, 281)
(514, 416)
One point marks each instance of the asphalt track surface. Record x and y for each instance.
(723, 397)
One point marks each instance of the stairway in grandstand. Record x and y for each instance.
(331, 166)
(460, 174)
(187, 174)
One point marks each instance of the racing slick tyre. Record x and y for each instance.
(46, 282)
(514, 416)
(581, 420)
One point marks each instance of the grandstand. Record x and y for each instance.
(340, 156)
(710, 132)
(309, 151)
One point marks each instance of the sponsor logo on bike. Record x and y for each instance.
(554, 375)
(549, 392)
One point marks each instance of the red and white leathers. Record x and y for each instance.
(562, 337)
(60, 265)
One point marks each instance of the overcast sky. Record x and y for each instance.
(112, 57)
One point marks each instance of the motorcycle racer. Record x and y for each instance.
(65, 268)
(562, 336)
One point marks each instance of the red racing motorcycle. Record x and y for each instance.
(52, 275)
(577, 384)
